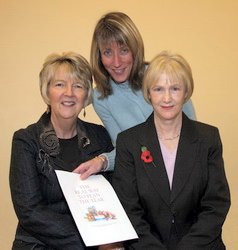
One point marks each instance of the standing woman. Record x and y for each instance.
(58, 141)
(169, 171)
(117, 59)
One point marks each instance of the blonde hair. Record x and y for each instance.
(116, 27)
(174, 66)
(77, 67)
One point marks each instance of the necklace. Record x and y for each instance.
(169, 138)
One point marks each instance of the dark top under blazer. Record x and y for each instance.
(197, 205)
(41, 208)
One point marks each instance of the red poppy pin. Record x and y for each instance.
(146, 155)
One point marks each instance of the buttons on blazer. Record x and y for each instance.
(173, 214)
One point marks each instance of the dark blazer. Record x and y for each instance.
(191, 215)
(42, 211)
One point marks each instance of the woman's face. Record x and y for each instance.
(117, 60)
(167, 98)
(67, 97)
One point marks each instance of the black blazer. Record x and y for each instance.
(191, 215)
(42, 211)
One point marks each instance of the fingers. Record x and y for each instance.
(89, 171)
(89, 167)
(112, 246)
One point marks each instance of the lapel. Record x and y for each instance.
(88, 143)
(156, 172)
(185, 158)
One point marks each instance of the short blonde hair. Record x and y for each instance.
(116, 27)
(77, 67)
(174, 66)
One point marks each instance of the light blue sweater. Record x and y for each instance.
(123, 109)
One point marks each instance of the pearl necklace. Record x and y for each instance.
(169, 138)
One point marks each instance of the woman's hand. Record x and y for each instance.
(90, 167)
(112, 246)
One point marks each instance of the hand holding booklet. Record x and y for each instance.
(96, 209)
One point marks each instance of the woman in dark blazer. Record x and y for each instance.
(169, 172)
(59, 140)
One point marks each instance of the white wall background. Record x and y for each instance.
(204, 32)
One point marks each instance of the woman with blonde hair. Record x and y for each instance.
(59, 140)
(169, 171)
(117, 60)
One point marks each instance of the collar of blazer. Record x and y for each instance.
(50, 142)
(186, 156)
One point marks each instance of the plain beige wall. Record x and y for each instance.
(204, 32)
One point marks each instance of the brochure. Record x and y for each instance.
(96, 209)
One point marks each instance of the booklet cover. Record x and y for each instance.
(96, 209)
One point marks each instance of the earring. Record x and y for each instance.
(48, 109)
(84, 112)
